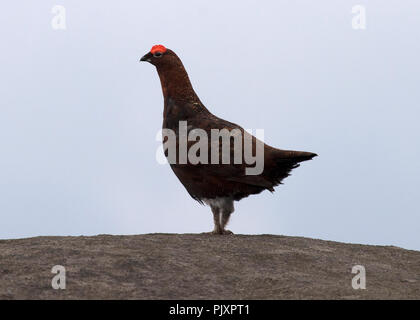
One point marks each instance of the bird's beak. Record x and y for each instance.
(147, 57)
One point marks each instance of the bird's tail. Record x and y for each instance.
(283, 162)
(294, 156)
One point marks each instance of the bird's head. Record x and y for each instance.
(160, 56)
(173, 77)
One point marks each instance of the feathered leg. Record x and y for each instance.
(227, 210)
(216, 217)
(222, 208)
(224, 222)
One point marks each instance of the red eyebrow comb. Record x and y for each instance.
(157, 48)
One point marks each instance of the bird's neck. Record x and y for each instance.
(176, 84)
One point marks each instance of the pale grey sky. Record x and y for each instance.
(79, 115)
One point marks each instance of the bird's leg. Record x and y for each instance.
(224, 221)
(216, 217)
(222, 209)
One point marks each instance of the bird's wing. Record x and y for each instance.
(221, 180)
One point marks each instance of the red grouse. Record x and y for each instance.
(218, 178)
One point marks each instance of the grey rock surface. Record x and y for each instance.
(202, 266)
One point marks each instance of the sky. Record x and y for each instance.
(80, 115)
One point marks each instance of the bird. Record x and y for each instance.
(217, 185)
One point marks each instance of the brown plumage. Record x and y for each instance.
(217, 185)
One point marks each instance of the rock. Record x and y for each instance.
(199, 266)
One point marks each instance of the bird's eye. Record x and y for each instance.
(157, 54)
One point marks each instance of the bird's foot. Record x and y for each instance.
(211, 232)
(227, 232)
(219, 232)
